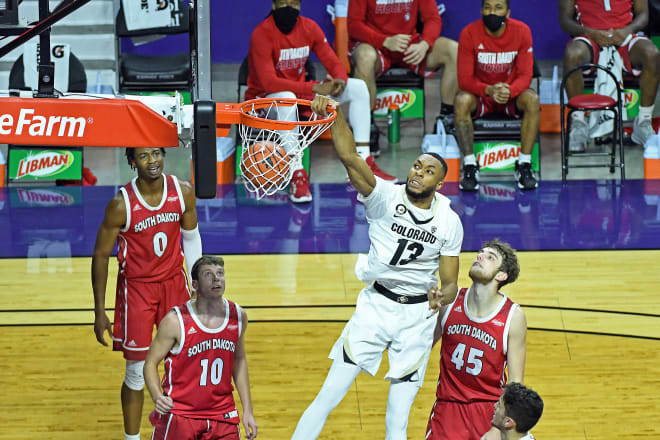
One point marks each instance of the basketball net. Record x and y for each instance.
(268, 172)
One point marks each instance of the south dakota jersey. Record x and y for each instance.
(198, 371)
(604, 14)
(407, 241)
(149, 245)
(473, 353)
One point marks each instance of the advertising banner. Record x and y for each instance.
(501, 156)
(38, 164)
(410, 102)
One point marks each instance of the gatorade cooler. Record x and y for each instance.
(652, 158)
(2, 170)
(445, 145)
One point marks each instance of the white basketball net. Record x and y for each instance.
(268, 172)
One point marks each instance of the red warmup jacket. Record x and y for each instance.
(277, 61)
(372, 23)
(484, 60)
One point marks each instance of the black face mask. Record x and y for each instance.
(494, 22)
(285, 18)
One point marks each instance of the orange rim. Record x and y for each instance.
(261, 103)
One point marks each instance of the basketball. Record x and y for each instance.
(265, 165)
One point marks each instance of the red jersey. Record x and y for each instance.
(198, 372)
(372, 21)
(473, 352)
(604, 14)
(149, 245)
(277, 61)
(484, 60)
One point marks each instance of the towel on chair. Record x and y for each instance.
(601, 123)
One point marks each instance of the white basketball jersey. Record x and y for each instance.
(407, 241)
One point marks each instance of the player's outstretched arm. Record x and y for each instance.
(114, 219)
(242, 382)
(359, 173)
(166, 338)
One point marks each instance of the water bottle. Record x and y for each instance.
(393, 122)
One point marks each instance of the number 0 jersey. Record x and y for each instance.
(149, 245)
(407, 241)
(198, 371)
(473, 353)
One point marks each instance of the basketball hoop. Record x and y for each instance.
(265, 138)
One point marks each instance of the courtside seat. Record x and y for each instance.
(153, 72)
(497, 127)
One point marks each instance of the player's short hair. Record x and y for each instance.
(510, 264)
(209, 260)
(482, 3)
(441, 160)
(523, 405)
(130, 154)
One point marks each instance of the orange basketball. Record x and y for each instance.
(265, 164)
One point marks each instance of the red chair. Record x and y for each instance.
(588, 103)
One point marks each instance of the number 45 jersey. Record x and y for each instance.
(473, 353)
(407, 241)
(149, 245)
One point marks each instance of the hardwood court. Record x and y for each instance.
(596, 370)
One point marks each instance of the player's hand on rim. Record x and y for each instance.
(321, 103)
(101, 324)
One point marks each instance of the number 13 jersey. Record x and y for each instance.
(407, 241)
(149, 245)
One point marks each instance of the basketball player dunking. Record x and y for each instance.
(414, 233)
(148, 219)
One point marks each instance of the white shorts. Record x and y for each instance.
(379, 324)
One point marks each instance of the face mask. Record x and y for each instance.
(285, 18)
(494, 22)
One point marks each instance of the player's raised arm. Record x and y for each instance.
(359, 173)
(115, 218)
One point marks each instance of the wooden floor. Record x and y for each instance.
(593, 346)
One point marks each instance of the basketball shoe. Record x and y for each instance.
(371, 162)
(299, 187)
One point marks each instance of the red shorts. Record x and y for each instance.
(487, 105)
(390, 59)
(174, 427)
(465, 421)
(138, 307)
(624, 51)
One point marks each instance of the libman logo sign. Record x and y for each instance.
(45, 164)
(410, 102)
(501, 156)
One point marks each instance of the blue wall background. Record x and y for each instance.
(232, 22)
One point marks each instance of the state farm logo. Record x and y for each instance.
(44, 164)
(498, 156)
(404, 98)
(30, 124)
(44, 197)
